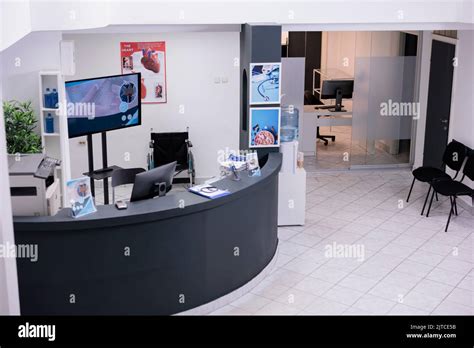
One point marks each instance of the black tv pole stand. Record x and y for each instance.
(99, 174)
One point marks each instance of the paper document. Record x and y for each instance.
(208, 191)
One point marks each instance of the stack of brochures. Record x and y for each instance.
(208, 191)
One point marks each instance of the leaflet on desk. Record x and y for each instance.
(80, 197)
(212, 195)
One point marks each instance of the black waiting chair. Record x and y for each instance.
(170, 147)
(123, 177)
(453, 157)
(454, 189)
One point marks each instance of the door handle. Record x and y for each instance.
(444, 121)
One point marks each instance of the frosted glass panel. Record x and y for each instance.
(383, 109)
(292, 93)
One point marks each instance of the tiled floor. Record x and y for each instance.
(342, 153)
(405, 263)
(393, 260)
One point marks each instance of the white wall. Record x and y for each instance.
(15, 21)
(461, 123)
(22, 63)
(9, 299)
(193, 61)
(340, 49)
(79, 14)
(19, 67)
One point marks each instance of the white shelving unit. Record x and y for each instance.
(56, 144)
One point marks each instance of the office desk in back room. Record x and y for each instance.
(326, 118)
(179, 257)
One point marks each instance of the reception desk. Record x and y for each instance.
(160, 256)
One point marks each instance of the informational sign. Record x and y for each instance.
(264, 127)
(148, 58)
(265, 87)
(80, 197)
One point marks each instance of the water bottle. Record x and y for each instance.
(289, 123)
(49, 123)
(47, 98)
(54, 99)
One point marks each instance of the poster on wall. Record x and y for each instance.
(265, 86)
(148, 58)
(264, 127)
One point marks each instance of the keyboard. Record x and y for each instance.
(46, 168)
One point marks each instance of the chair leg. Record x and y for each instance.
(437, 197)
(411, 188)
(455, 206)
(450, 213)
(431, 202)
(426, 200)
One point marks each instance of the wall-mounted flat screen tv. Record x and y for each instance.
(103, 103)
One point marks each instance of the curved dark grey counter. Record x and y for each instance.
(184, 251)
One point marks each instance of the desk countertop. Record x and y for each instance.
(142, 260)
(173, 204)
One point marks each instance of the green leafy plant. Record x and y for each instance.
(20, 124)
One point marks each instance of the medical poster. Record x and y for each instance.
(80, 197)
(148, 58)
(265, 87)
(264, 127)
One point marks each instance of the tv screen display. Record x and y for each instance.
(103, 103)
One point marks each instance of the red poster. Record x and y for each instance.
(148, 58)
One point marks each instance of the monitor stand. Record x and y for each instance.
(338, 106)
(90, 155)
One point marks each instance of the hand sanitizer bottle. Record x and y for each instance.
(49, 123)
(54, 99)
(47, 98)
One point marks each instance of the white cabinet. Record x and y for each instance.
(292, 198)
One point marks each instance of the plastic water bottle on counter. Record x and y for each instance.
(289, 127)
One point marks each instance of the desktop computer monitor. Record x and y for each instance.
(155, 182)
(337, 89)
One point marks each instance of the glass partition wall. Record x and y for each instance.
(384, 108)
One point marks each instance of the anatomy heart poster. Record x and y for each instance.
(148, 58)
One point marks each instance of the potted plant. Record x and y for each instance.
(20, 124)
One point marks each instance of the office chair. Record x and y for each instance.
(123, 177)
(170, 147)
(311, 99)
(453, 157)
(454, 189)
(324, 137)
